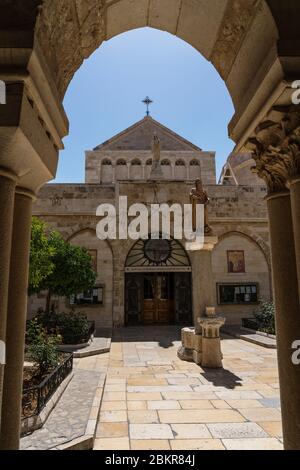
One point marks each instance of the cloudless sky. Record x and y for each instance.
(105, 96)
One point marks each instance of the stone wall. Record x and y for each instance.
(103, 166)
(257, 270)
(238, 217)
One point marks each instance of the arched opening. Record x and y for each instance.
(158, 283)
(136, 171)
(106, 171)
(121, 170)
(195, 170)
(166, 168)
(98, 302)
(180, 170)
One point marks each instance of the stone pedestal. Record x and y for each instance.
(285, 284)
(211, 343)
(156, 172)
(203, 346)
(187, 338)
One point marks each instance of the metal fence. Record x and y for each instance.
(34, 399)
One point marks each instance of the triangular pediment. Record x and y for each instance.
(140, 137)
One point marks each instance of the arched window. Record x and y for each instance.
(149, 162)
(194, 163)
(136, 163)
(158, 252)
(121, 163)
(180, 163)
(165, 163)
(106, 162)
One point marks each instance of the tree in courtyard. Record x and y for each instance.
(57, 266)
(72, 272)
(41, 256)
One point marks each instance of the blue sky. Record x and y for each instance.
(105, 96)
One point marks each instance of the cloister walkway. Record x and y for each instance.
(152, 400)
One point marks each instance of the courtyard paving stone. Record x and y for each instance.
(166, 403)
(70, 418)
(152, 400)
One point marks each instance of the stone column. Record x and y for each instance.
(16, 321)
(114, 173)
(173, 171)
(7, 195)
(295, 203)
(287, 312)
(188, 171)
(203, 283)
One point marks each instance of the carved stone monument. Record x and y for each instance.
(156, 170)
(199, 196)
(203, 346)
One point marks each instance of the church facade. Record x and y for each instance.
(158, 281)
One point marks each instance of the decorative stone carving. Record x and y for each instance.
(199, 196)
(156, 171)
(276, 150)
(77, 28)
(237, 18)
(202, 345)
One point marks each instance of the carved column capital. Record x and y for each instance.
(275, 149)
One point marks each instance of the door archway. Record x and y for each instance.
(158, 283)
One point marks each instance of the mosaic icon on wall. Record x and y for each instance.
(236, 262)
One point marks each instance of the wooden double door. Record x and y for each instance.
(158, 298)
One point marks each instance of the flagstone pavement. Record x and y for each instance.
(152, 400)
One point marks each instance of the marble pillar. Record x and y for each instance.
(287, 312)
(7, 194)
(294, 185)
(16, 321)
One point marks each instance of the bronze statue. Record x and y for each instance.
(199, 196)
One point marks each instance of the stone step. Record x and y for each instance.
(255, 338)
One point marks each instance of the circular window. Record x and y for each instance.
(157, 251)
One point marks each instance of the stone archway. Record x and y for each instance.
(158, 283)
(254, 45)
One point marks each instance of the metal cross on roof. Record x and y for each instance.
(147, 102)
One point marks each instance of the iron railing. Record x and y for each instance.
(34, 399)
(250, 323)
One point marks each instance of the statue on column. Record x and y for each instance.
(199, 196)
(156, 171)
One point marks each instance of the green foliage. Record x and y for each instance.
(42, 347)
(73, 327)
(266, 317)
(33, 330)
(56, 265)
(41, 253)
(73, 272)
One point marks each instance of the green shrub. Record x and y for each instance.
(33, 330)
(73, 327)
(43, 350)
(265, 317)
